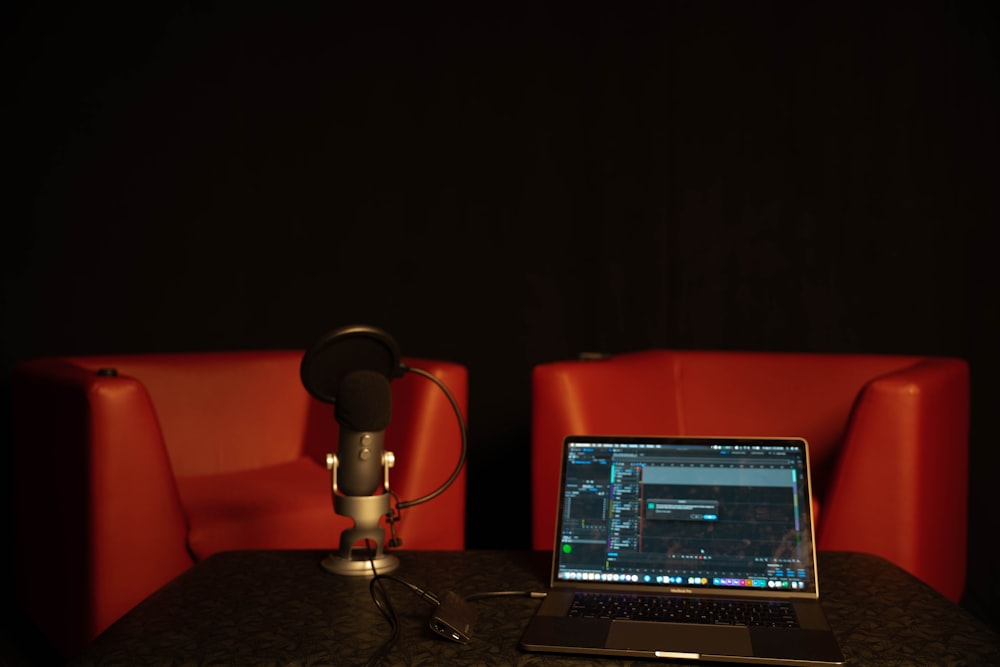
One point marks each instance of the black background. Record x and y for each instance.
(503, 184)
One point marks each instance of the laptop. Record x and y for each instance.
(685, 548)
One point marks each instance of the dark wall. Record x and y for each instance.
(505, 185)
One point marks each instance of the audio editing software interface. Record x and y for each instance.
(716, 515)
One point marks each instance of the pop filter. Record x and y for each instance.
(344, 351)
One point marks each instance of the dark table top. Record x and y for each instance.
(283, 608)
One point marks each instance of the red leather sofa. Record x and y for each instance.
(124, 479)
(888, 436)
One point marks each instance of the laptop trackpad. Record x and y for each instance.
(650, 636)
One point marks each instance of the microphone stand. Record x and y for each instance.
(366, 511)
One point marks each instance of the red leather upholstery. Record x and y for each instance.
(888, 436)
(124, 482)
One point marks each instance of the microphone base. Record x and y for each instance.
(362, 563)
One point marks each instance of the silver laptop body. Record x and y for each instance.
(708, 522)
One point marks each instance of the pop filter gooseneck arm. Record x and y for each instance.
(461, 427)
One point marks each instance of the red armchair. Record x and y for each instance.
(888, 436)
(123, 480)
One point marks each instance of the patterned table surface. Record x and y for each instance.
(283, 608)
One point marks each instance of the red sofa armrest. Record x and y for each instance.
(89, 461)
(899, 487)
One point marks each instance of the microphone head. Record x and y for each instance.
(342, 351)
(364, 401)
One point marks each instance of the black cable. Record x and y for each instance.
(423, 594)
(384, 606)
(381, 599)
(496, 594)
(391, 518)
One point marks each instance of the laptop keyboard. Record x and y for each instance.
(708, 611)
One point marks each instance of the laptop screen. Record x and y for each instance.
(699, 513)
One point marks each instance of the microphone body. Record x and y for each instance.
(363, 410)
(360, 457)
(351, 368)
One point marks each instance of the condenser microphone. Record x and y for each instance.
(363, 411)
(351, 367)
